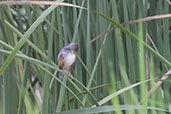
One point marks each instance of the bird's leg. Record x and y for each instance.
(67, 72)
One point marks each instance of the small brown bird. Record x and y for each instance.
(67, 58)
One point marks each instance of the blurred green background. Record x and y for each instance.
(116, 67)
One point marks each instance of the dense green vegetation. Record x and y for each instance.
(123, 62)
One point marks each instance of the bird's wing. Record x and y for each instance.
(60, 61)
(73, 65)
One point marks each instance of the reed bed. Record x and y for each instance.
(123, 62)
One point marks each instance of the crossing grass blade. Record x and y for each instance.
(117, 64)
(25, 36)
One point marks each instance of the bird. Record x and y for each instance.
(67, 58)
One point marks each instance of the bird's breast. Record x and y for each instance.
(69, 60)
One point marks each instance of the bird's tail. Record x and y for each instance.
(60, 75)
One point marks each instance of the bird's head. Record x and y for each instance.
(73, 46)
